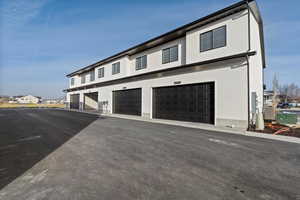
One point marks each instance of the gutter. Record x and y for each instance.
(247, 58)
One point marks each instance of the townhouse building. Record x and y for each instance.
(207, 71)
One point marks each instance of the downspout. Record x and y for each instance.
(248, 70)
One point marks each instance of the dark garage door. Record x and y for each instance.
(193, 103)
(127, 101)
(74, 101)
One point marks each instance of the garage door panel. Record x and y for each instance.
(74, 101)
(185, 103)
(127, 102)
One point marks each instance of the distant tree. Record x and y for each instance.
(298, 92)
(283, 89)
(292, 90)
(276, 86)
(289, 91)
(276, 89)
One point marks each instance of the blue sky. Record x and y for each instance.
(43, 40)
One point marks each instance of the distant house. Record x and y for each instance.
(281, 98)
(28, 99)
(268, 98)
(4, 99)
(12, 101)
(60, 100)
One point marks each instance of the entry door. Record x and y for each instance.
(193, 103)
(74, 101)
(127, 101)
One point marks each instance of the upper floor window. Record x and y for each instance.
(83, 79)
(101, 72)
(72, 81)
(92, 75)
(116, 68)
(170, 54)
(213, 39)
(141, 62)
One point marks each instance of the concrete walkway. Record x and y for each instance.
(202, 126)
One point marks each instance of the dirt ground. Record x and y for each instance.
(294, 132)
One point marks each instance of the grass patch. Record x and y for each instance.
(30, 105)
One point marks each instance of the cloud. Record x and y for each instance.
(16, 13)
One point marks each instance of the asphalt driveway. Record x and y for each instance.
(125, 159)
(29, 135)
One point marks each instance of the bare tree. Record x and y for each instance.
(298, 92)
(289, 91)
(292, 90)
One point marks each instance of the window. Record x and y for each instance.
(141, 62)
(219, 37)
(170, 54)
(92, 75)
(72, 81)
(83, 79)
(116, 68)
(206, 41)
(213, 39)
(101, 72)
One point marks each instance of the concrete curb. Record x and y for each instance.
(200, 126)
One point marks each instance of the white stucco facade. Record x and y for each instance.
(236, 70)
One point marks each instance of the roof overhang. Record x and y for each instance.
(172, 35)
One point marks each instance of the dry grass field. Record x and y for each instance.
(16, 105)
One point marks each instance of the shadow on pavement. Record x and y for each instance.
(29, 135)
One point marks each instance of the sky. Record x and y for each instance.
(43, 40)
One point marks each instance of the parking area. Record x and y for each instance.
(116, 158)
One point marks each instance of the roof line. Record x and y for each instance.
(126, 52)
(111, 82)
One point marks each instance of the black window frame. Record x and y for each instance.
(169, 54)
(212, 46)
(102, 73)
(114, 67)
(140, 60)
